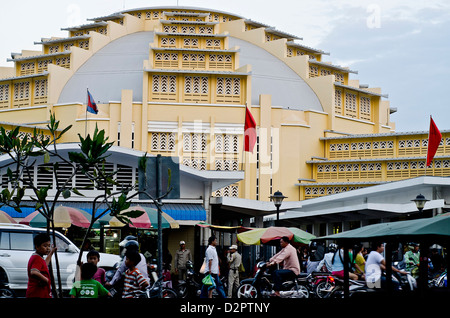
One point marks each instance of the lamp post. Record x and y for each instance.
(420, 202)
(277, 199)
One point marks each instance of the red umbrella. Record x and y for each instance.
(140, 222)
(6, 218)
(276, 233)
(271, 235)
(64, 217)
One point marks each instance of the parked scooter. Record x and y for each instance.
(260, 286)
(191, 287)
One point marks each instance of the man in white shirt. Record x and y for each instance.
(212, 267)
(375, 264)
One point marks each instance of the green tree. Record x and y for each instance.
(24, 153)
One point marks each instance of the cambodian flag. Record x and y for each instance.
(249, 131)
(434, 139)
(91, 105)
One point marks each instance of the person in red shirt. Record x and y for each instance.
(39, 281)
(94, 257)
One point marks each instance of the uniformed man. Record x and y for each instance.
(234, 262)
(181, 257)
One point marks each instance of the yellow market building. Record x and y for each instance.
(176, 81)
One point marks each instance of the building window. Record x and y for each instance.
(365, 108)
(164, 87)
(27, 68)
(338, 101)
(194, 142)
(313, 71)
(339, 77)
(226, 143)
(168, 42)
(163, 141)
(325, 72)
(63, 61)
(196, 163)
(21, 93)
(191, 43)
(4, 95)
(43, 65)
(228, 89)
(228, 191)
(350, 105)
(53, 49)
(40, 91)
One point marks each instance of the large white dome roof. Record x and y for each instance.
(119, 65)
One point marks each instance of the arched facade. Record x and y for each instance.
(176, 81)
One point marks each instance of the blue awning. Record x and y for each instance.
(178, 211)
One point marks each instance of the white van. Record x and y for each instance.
(16, 247)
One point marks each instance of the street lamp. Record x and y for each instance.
(420, 202)
(277, 199)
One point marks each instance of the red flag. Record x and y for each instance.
(434, 139)
(249, 131)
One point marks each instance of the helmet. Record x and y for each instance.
(332, 247)
(126, 239)
(130, 242)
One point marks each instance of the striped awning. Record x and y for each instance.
(178, 211)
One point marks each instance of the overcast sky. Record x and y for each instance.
(401, 46)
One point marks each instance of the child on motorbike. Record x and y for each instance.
(134, 283)
(88, 287)
(94, 257)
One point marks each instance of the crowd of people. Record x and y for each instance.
(290, 261)
(367, 264)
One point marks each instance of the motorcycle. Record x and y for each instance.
(406, 282)
(157, 289)
(191, 287)
(337, 291)
(260, 285)
(439, 281)
(323, 283)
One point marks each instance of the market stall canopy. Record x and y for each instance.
(148, 220)
(435, 227)
(271, 234)
(224, 228)
(64, 217)
(6, 218)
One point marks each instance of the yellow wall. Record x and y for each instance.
(295, 134)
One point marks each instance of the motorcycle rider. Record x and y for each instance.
(130, 244)
(325, 264)
(375, 264)
(412, 259)
(291, 265)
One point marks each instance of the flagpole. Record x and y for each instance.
(428, 147)
(87, 102)
(243, 142)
